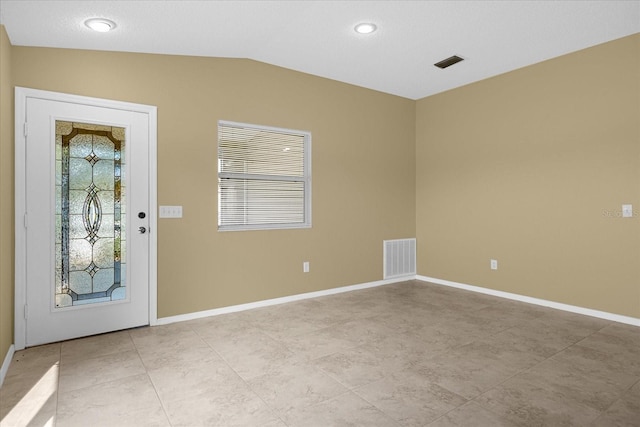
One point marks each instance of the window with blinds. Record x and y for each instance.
(264, 177)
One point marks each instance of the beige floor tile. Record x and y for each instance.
(332, 310)
(456, 300)
(516, 310)
(126, 402)
(37, 412)
(627, 334)
(296, 318)
(369, 330)
(79, 373)
(409, 399)
(344, 410)
(528, 402)
(536, 338)
(29, 400)
(620, 343)
(253, 353)
(169, 337)
(459, 329)
(596, 392)
(617, 369)
(482, 322)
(441, 336)
(625, 412)
(295, 386)
(634, 390)
(33, 362)
(161, 356)
(195, 377)
(97, 345)
(358, 366)
(225, 405)
(412, 347)
(275, 423)
(496, 349)
(320, 343)
(19, 387)
(224, 326)
(474, 415)
(466, 373)
(409, 353)
(577, 324)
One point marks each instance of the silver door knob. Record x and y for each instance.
(142, 230)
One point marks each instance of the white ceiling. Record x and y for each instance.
(317, 37)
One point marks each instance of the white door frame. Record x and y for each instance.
(21, 95)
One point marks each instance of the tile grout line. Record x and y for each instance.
(272, 410)
(527, 370)
(155, 389)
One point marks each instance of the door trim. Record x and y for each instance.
(21, 95)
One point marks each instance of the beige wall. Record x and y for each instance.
(6, 196)
(363, 169)
(531, 168)
(523, 167)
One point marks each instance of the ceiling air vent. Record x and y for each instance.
(448, 62)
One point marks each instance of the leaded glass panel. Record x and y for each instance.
(90, 215)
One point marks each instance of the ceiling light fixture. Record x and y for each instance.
(365, 28)
(100, 24)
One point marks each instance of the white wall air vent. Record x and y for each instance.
(399, 258)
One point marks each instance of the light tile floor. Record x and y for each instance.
(407, 354)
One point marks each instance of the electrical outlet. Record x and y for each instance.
(305, 267)
(627, 211)
(494, 264)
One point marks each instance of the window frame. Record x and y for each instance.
(305, 179)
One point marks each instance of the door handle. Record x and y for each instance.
(142, 230)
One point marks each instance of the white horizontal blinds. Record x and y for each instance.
(261, 202)
(262, 182)
(260, 152)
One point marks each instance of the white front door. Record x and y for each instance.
(87, 222)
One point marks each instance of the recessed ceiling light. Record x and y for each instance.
(99, 24)
(365, 28)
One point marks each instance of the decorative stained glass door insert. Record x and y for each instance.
(87, 251)
(90, 214)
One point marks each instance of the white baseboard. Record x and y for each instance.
(276, 301)
(537, 301)
(5, 364)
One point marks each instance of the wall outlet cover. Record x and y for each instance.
(170, 211)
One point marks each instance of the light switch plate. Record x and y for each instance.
(627, 211)
(170, 211)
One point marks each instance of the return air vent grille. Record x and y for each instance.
(399, 258)
(448, 62)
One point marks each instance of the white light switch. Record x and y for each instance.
(627, 211)
(170, 211)
(305, 267)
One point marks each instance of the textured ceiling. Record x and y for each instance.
(317, 37)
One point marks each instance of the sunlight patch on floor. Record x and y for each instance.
(34, 400)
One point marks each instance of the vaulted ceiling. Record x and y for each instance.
(318, 37)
